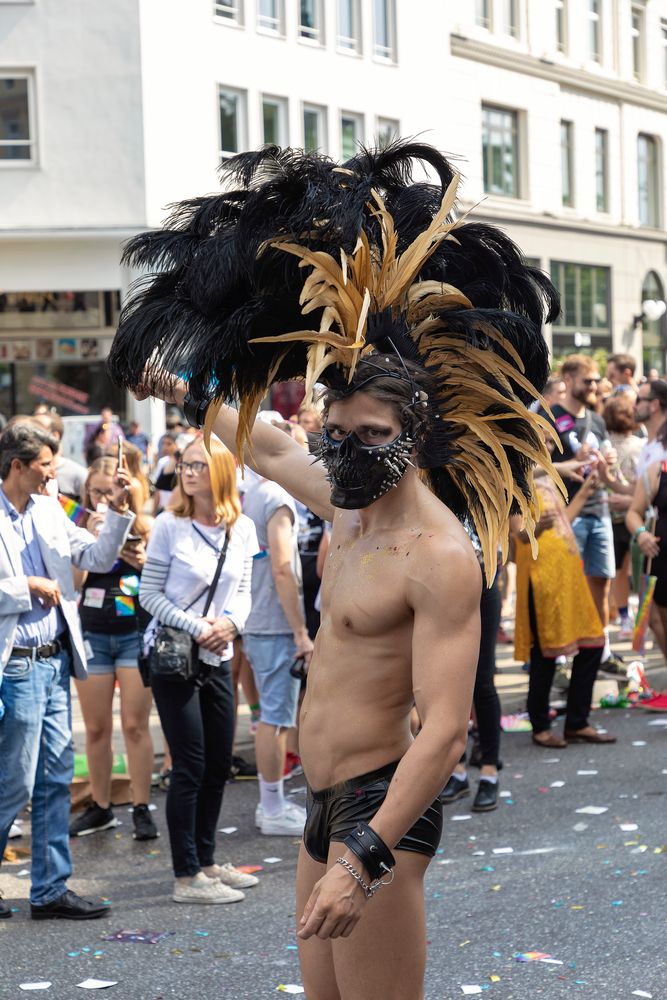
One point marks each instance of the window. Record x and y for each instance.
(594, 31)
(483, 14)
(271, 16)
(311, 21)
(566, 162)
(229, 10)
(387, 131)
(349, 26)
(16, 132)
(351, 133)
(274, 121)
(637, 36)
(314, 127)
(654, 333)
(500, 151)
(663, 31)
(647, 180)
(232, 121)
(511, 18)
(601, 170)
(561, 26)
(585, 296)
(384, 30)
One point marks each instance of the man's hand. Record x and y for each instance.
(571, 469)
(46, 591)
(304, 647)
(335, 905)
(221, 632)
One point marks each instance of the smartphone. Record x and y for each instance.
(120, 451)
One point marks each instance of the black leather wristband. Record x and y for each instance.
(371, 850)
(195, 410)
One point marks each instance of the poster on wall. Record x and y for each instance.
(89, 347)
(44, 350)
(22, 350)
(66, 348)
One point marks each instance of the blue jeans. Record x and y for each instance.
(37, 761)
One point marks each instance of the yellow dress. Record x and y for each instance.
(567, 619)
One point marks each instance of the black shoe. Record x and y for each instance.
(613, 669)
(241, 769)
(92, 820)
(487, 796)
(456, 788)
(5, 911)
(144, 827)
(69, 906)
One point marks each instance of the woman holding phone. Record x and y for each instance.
(202, 534)
(112, 621)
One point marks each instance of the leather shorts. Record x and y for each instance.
(333, 814)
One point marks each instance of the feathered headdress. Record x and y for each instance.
(304, 268)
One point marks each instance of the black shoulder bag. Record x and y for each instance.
(175, 653)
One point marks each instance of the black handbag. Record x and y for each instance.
(175, 653)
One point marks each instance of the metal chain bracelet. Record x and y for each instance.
(369, 890)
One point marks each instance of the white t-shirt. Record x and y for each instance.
(191, 551)
(652, 452)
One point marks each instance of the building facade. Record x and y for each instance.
(555, 109)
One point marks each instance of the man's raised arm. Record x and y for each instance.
(272, 453)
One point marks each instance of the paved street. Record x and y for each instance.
(578, 887)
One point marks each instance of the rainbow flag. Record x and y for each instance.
(641, 621)
(76, 512)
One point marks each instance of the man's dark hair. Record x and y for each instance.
(25, 443)
(397, 388)
(623, 362)
(659, 392)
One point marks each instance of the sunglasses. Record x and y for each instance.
(591, 381)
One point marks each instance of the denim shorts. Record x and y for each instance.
(595, 539)
(270, 657)
(111, 651)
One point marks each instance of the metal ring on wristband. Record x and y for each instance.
(369, 890)
(371, 850)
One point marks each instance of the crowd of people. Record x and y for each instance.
(146, 540)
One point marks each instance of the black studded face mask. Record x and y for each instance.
(360, 473)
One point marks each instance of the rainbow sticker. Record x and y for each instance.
(129, 585)
(124, 607)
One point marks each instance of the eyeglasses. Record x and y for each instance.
(107, 494)
(591, 381)
(196, 468)
(644, 399)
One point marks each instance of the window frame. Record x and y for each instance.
(382, 121)
(31, 142)
(602, 170)
(385, 53)
(638, 41)
(356, 49)
(282, 104)
(277, 31)
(562, 26)
(563, 325)
(484, 14)
(242, 120)
(594, 12)
(511, 19)
(235, 18)
(322, 123)
(313, 36)
(567, 172)
(359, 119)
(487, 152)
(663, 31)
(652, 186)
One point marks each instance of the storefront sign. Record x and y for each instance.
(59, 394)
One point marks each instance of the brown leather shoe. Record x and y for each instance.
(589, 735)
(550, 741)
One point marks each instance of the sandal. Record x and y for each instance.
(551, 742)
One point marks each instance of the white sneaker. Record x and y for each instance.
(231, 876)
(15, 831)
(289, 823)
(259, 814)
(202, 889)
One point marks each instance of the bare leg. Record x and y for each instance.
(135, 708)
(315, 956)
(621, 584)
(658, 622)
(96, 699)
(599, 588)
(384, 958)
(270, 748)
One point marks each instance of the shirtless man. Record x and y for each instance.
(400, 624)
(353, 276)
